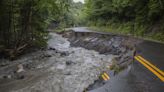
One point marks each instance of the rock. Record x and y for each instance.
(20, 68)
(73, 52)
(123, 50)
(68, 62)
(67, 73)
(20, 73)
(5, 77)
(61, 67)
(47, 55)
(50, 48)
(20, 76)
(9, 76)
(64, 53)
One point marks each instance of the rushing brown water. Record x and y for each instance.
(60, 68)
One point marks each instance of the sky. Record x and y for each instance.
(79, 1)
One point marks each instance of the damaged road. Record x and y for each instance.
(60, 68)
(136, 77)
(74, 62)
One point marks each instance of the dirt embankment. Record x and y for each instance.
(60, 68)
(67, 65)
(123, 47)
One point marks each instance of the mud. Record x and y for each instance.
(60, 68)
(121, 46)
(72, 62)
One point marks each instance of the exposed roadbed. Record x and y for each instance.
(72, 62)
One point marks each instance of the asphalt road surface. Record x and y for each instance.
(137, 77)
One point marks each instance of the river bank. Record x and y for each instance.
(60, 68)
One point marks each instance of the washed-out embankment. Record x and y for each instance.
(123, 47)
(71, 63)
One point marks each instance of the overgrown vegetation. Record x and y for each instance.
(144, 18)
(23, 23)
(73, 16)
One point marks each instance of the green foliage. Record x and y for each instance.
(23, 23)
(135, 17)
(73, 17)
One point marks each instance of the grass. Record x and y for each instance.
(126, 30)
(59, 30)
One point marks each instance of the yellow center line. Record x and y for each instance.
(151, 69)
(158, 70)
(106, 75)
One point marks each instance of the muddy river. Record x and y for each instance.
(59, 68)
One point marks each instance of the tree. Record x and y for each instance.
(23, 23)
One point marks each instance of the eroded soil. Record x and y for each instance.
(60, 68)
(72, 62)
